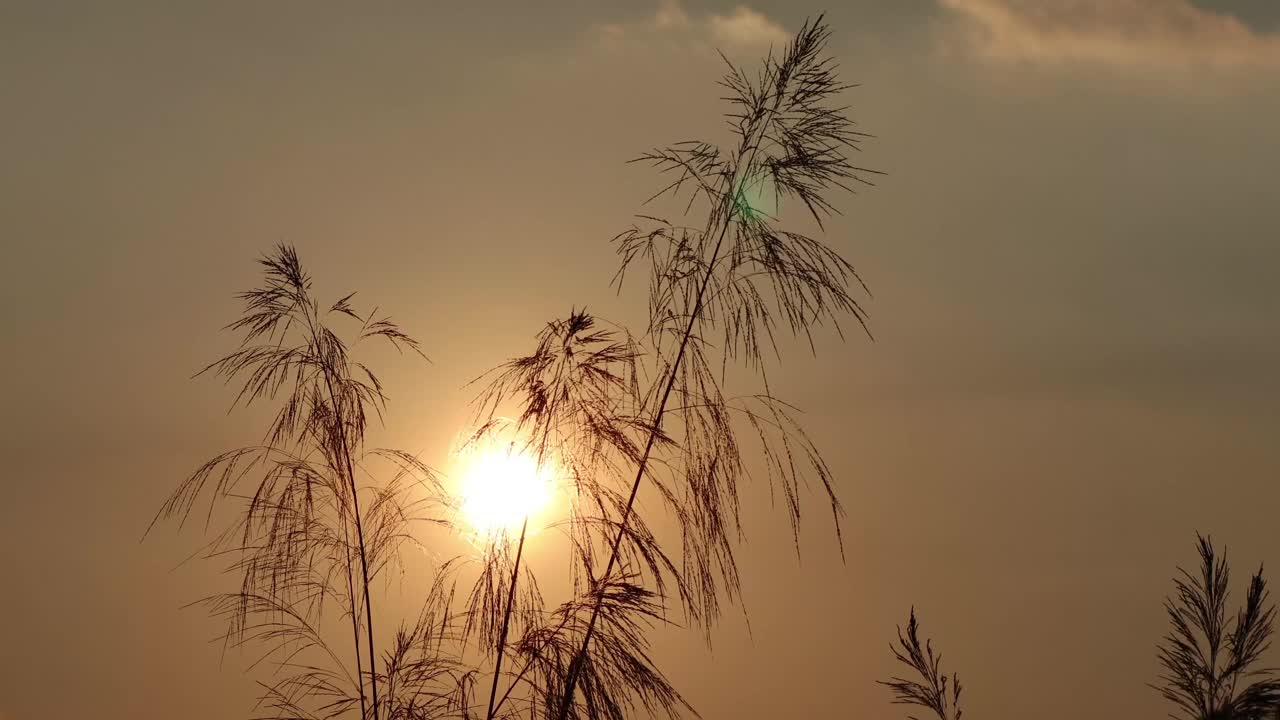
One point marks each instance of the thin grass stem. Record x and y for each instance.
(506, 622)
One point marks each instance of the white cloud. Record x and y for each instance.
(745, 27)
(1135, 33)
(740, 29)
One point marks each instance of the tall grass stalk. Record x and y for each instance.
(506, 620)
(652, 408)
(616, 411)
(789, 134)
(297, 535)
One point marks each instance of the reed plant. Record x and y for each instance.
(933, 691)
(315, 516)
(1212, 659)
(682, 410)
(655, 408)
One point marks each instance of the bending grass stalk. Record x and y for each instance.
(635, 486)
(506, 622)
(284, 536)
(364, 564)
(368, 606)
(729, 208)
(355, 621)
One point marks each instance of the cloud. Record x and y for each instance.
(745, 27)
(671, 15)
(1134, 33)
(740, 29)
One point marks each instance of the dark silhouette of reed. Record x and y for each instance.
(308, 520)
(304, 531)
(931, 690)
(1211, 661)
(652, 409)
(615, 412)
(577, 394)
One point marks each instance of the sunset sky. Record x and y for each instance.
(1073, 257)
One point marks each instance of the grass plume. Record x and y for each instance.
(653, 408)
(933, 691)
(1211, 659)
(306, 532)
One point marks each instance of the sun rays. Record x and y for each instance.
(500, 486)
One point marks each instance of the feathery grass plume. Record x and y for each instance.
(579, 410)
(656, 407)
(579, 395)
(931, 690)
(738, 279)
(576, 394)
(618, 679)
(306, 530)
(1212, 662)
(423, 676)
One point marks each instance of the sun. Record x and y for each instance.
(501, 487)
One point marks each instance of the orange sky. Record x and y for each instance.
(1073, 260)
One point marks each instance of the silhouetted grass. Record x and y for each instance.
(652, 408)
(299, 538)
(612, 409)
(930, 691)
(577, 401)
(1211, 661)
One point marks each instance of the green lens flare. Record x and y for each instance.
(755, 199)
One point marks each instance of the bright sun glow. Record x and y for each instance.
(501, 487)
